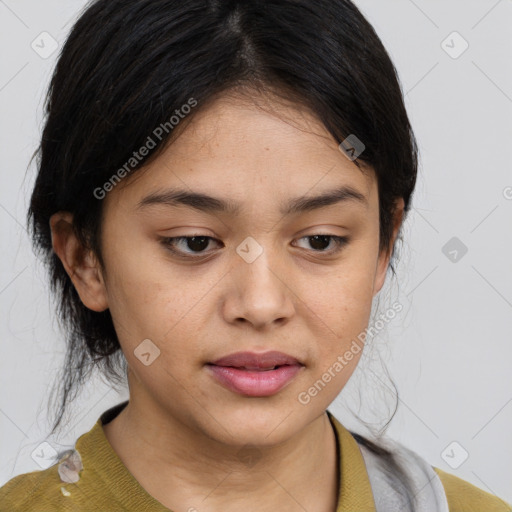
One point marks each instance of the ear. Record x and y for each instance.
(385, 255)
(80, 263)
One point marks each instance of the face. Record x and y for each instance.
(199, 282)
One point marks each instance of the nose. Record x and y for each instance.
(258, 293)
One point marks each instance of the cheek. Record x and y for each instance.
(340, 344)
(347, 292)
(150, 299)
(343, 304)
(134, 289)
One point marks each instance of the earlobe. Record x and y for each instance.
(80, 263)
(385, 256)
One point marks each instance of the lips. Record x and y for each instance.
(256, 375)
(253, 361)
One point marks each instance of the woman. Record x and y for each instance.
(220, 188)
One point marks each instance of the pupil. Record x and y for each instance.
(193, 245)
(316, 238)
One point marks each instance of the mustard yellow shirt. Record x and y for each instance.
(106, 485)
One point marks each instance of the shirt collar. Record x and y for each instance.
(355, 492)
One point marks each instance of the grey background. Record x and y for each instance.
(449, 350)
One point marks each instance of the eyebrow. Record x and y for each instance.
(209, 204)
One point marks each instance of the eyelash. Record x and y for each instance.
(340, 241)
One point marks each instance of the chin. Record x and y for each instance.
(262, 425)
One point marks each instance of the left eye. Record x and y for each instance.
(198, 244)
(320, 240)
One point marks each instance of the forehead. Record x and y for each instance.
(247, 148)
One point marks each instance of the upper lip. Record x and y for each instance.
(256, 360)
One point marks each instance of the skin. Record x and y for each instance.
(181, 433)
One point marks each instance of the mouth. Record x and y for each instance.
(253, 374)
(256, 369)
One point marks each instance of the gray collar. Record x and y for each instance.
(390, 493)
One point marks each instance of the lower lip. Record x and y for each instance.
(254, 383)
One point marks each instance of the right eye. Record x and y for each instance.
(196, 244)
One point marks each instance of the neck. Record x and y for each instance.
(184, 469)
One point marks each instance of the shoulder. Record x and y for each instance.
(465, 497)
(54, 488)
(430, 484)
(34, 491)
